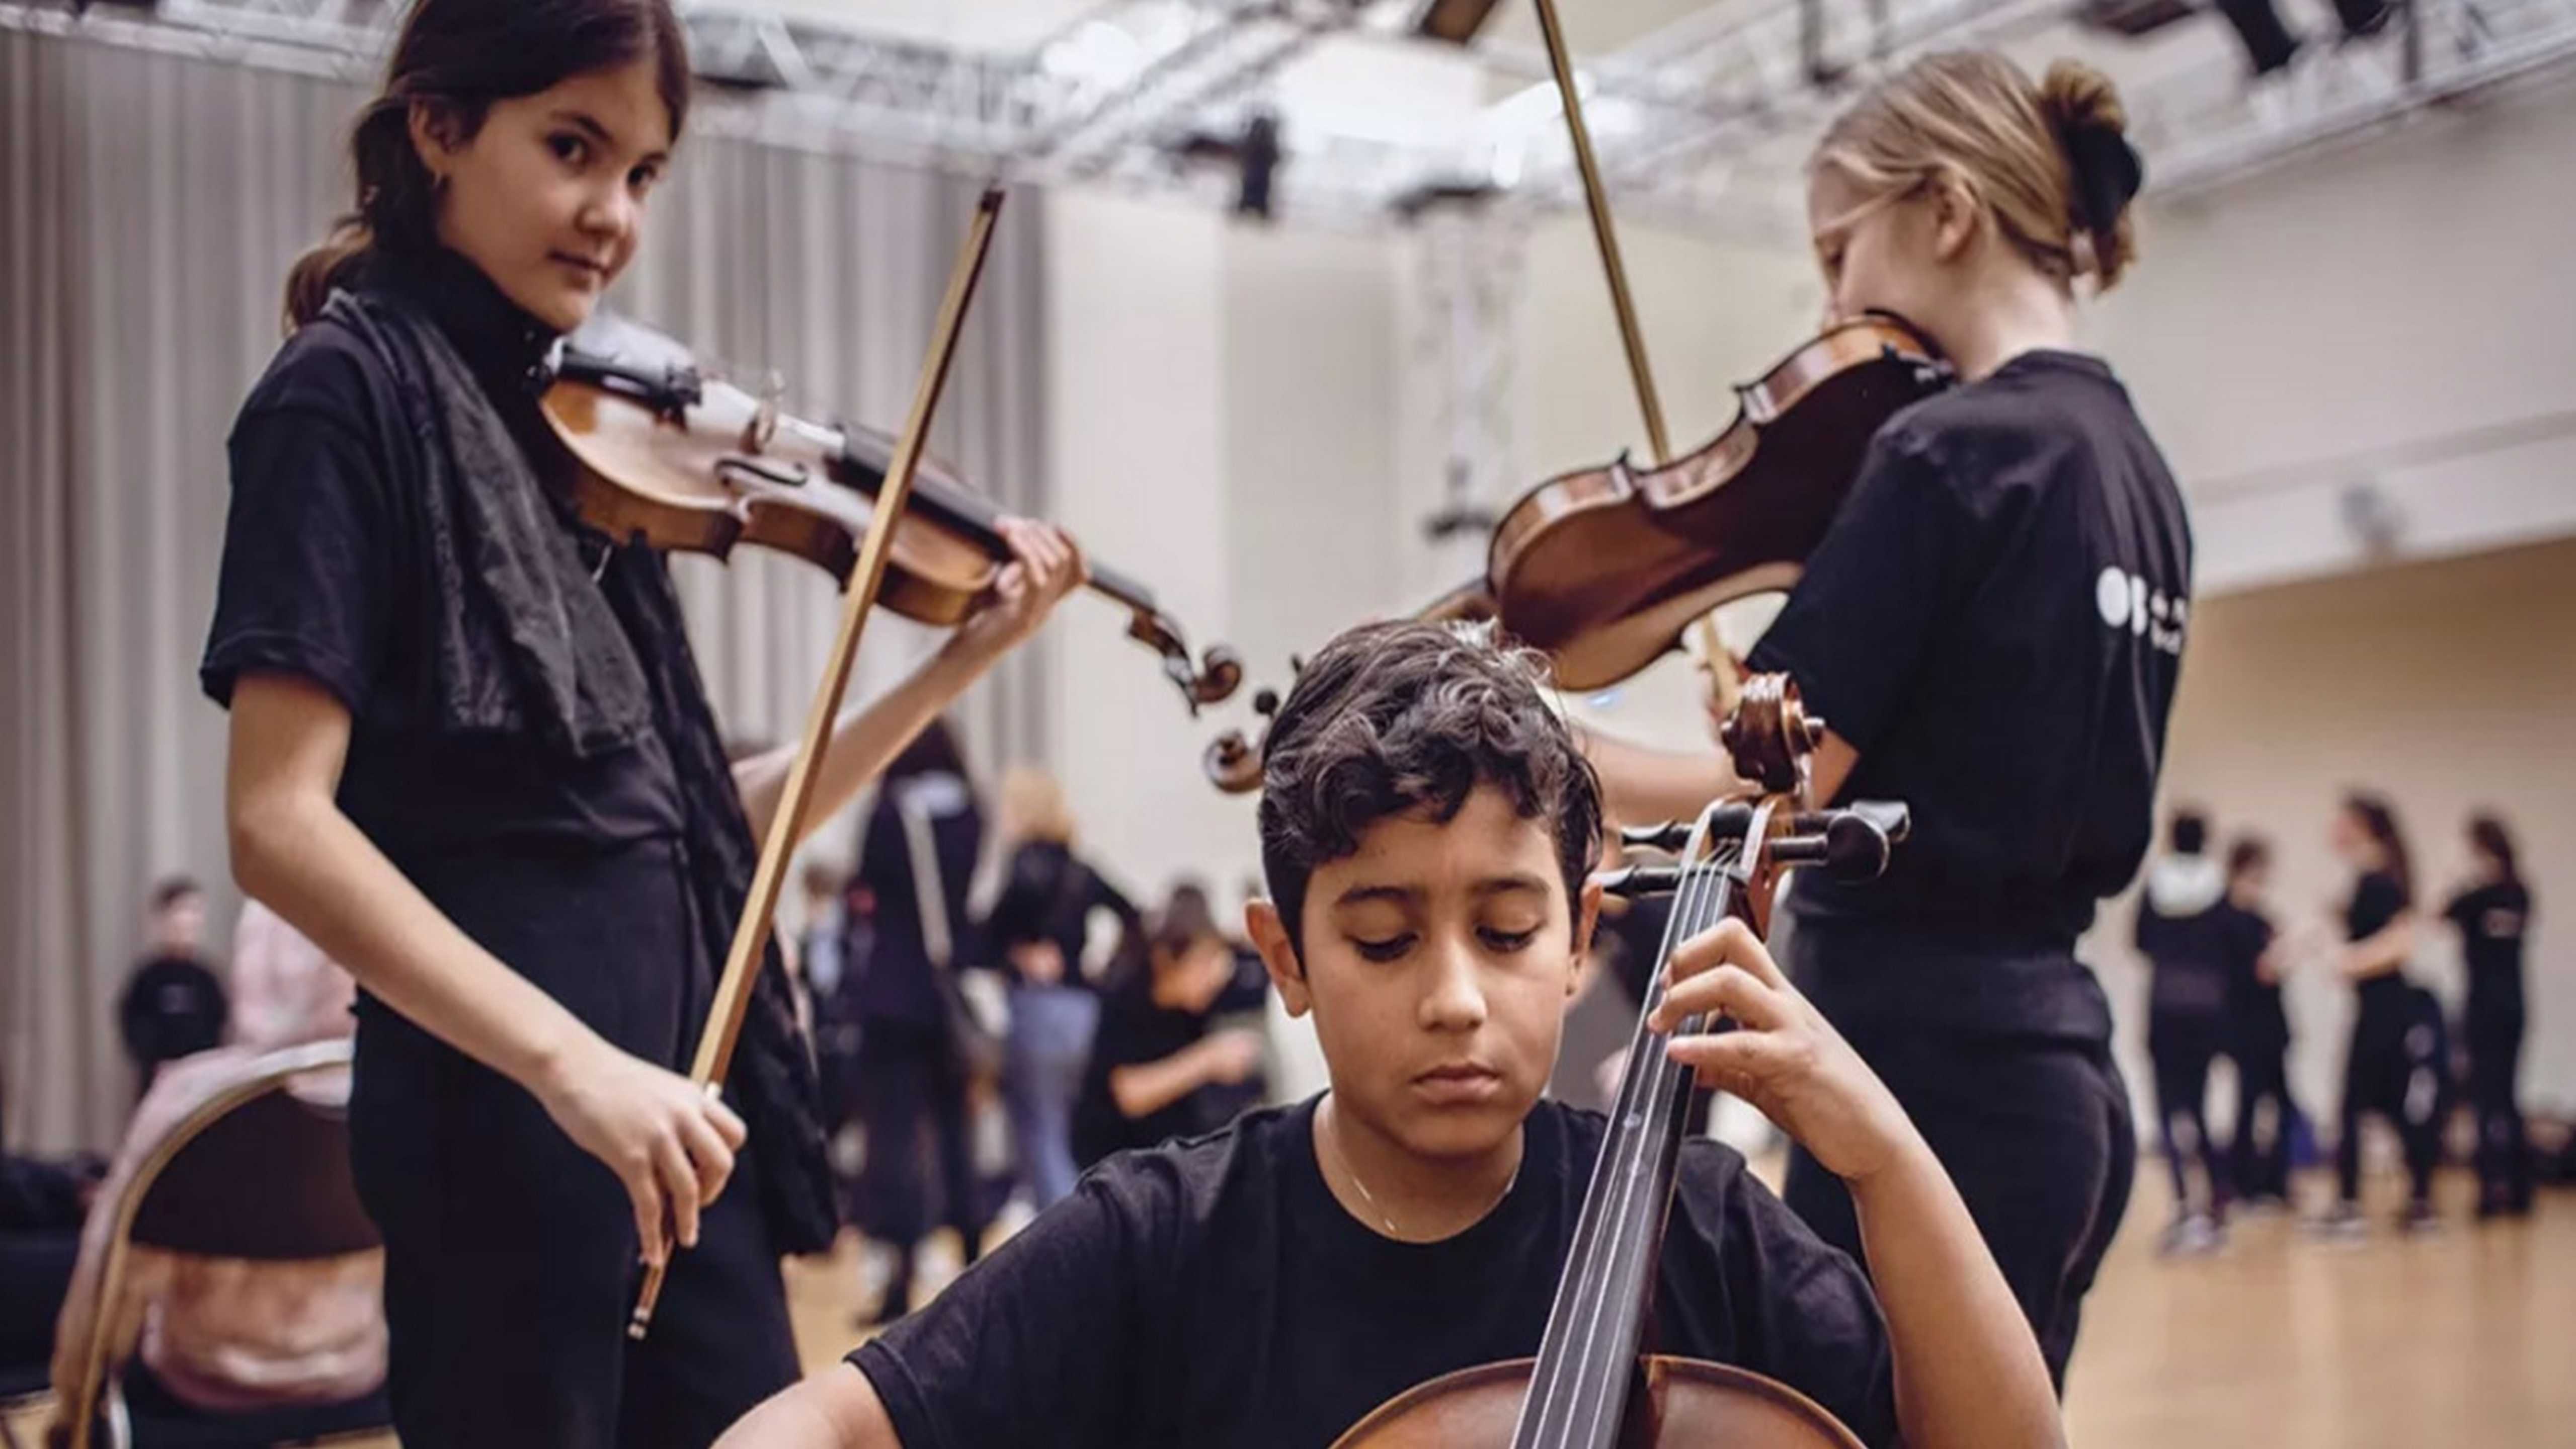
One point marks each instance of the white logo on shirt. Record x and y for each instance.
(2126, 602)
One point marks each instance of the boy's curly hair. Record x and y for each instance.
(1406, 717)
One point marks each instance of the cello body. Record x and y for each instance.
(1676, 1401)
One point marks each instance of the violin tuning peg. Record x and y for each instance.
(1265, 701)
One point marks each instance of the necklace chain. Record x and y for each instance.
(1366, 1196)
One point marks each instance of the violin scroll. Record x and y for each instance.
(1769, 735)
(1233, 762)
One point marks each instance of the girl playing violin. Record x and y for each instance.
(472, 759)
(1427, 828)
(1992, 629)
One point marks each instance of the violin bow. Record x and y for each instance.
(1725, 681)
(787, 825)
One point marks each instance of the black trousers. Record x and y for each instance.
(2037, 1134)
(2397, 1068)
(920, 1170)
(2258, 1162)
(510, 1253)
(35, 1277)
(2495, 1024)
(2182, 1045)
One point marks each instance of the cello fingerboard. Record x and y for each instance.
(1587, 1361)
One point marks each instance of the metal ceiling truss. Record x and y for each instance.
(1690, 120)
(2204, 130)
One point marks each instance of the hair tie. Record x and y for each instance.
(2108, 173)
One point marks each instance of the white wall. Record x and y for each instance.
(1135, 417)
(1223, 427)
(2399, 313)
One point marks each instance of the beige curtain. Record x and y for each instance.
(149, 207)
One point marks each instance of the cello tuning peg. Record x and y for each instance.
(1635, 881)
(1265, 701)
(1668, 837)
(1850, 847)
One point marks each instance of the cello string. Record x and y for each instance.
(1590, 1405)
(1645, 1115)
(1640, 1218)
(1580, 1310)
(1665, 1082)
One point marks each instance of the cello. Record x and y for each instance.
(1592, 1385)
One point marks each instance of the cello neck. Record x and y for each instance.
(1587, 1361)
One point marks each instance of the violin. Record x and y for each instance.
(1592, 1385)
(692, 462)
(1605, 569)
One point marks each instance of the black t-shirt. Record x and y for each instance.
(2253, 1004)
(1995, 621)
(1048, 895)
(1214, 1292)
(2185, 940)
(2492, 919)
(2377, 899)
(929, 818)
(322, 577)
(173, 1007)
(1134, 1030)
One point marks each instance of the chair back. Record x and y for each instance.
(252, 1172)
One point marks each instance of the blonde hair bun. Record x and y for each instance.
(2093, 126)
(2074, 95)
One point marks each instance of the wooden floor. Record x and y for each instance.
(2466, 1337)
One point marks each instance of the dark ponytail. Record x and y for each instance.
(2379, 820)
(457, 57)
(2488, 834)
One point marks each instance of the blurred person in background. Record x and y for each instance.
(917, 855)
(1181, 1048)
(173, 1004)
(42, 1203)
(1040, 926)
(2395, 1065)
(2182, 932)
(2258, 1032)
(2492, 912)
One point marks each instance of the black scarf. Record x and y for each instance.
(526, 637)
